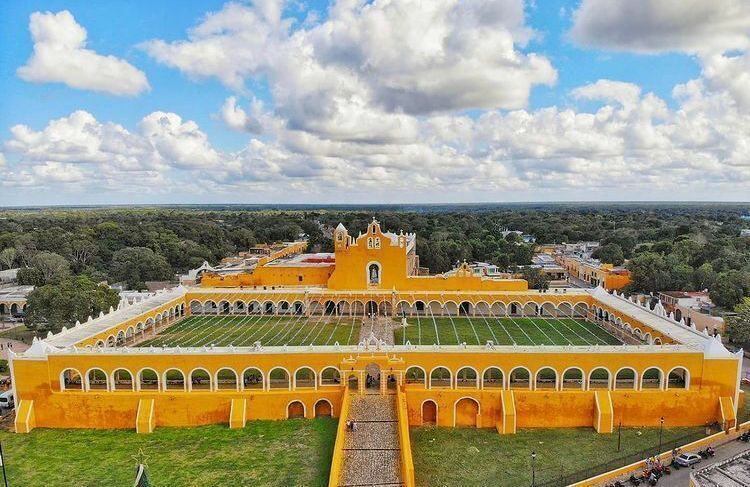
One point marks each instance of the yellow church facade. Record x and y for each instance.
(505, 387)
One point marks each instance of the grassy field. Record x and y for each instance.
(196, 331)
(502, 331)
(481, 457)
(268, 453)
(20, 333)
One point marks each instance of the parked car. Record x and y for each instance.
(7, 399)
(687, 459)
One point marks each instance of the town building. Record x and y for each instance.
(594, 272)
(694, 308)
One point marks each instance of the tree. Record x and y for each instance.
(136, 265)
(52, 306)
(30, 276)
(8, 257)
(738, 327)
(704, 276)
(82, 250)
(730, 288)
(648, 273)
(609, 254)
(536, 278)
(53, 267)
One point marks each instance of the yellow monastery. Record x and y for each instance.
(94, 375)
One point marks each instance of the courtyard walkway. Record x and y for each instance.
(371, 453)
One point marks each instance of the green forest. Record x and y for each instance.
(67, 252)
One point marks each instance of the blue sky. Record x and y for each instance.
(120, 29)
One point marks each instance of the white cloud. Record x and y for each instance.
(654, 26)
(60, 56)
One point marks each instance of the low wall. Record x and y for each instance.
(337, 459)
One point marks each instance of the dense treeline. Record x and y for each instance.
(668, 247)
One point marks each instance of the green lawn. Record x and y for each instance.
(502, 331)
(279, 453)
(20, 333)
(197, 331)
(482, 457)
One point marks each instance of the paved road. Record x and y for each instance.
(681, 478)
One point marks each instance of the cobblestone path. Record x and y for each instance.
(371, 453)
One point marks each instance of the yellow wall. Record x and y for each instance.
(39, 380)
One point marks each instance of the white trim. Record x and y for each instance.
(440, 367)
(532, 377)
(583, 379)
(62, 380)
(138, 377)
(189, 379)
(661, 377)
(87, 383)
(636, 381)
(288, 376)
(687, 378)
(476, 380)
(557, 377)
(320, 376)
(424, 373)
(262, 378)
(502, 372)
(166, 382)
(598, 413)
(609, 378)
(236, 380)
(315, 377)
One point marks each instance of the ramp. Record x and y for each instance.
(25, 421)
(604, 414)
(238, 413)
(728, 418)
(508, 400)
(144, 420)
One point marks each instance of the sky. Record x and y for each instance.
(354, 101)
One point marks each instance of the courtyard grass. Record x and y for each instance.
(225, 330)
(428, 330)
(20, 333)
(264, 453)
(482, 457)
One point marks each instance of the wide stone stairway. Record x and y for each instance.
(371, 453)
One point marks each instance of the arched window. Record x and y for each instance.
(572, 379)
(373, 274)
(252, 378)
(148, 380)
(96, 380)
(440, 377)
(546, 378)
(330, 376)
(520, 378)
(466, 411)
(226, 380)
(174, 380)
(200, 380)
(304, 377)
(625, 379)
(71, 380)
(652, 378)
(599, 378)
(678, 378)
(429, 412)
(467, 378)
(416, 375)
(122, 380)
(492, 378)
(279, 379)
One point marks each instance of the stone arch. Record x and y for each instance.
(545, 378)
(416, 375)
(465, 308)
(515, 309)
(323, 408)
(678, 378)
(581, 310)
(122, 380)
(269, 308)
(519, 378)
(279, 378)
(565, 309)
(130, 333)
(209, 306)
(174, 380)
(530, 309)
(100, 344)
(226, 380)
(200, 380)
(71, 380)
(148, 380)
(239, 306)
(434, 307)
(467, 377)
(296, 409)
(498, 308)
(96, 380)
(652, 378)
(120, 340)
(298, 308)
(254, 307)
(304, 377)
(450, 308)
(548, 309)
(493, 378)
(330, 376)
(358, 308)
(600, 378)
(465, 412)
(626, 378)
(573, 379)
(482, 308)
(111, 341)
(441, 377)
(252, 378)
(429, 412)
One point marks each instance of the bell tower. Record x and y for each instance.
(340, 237)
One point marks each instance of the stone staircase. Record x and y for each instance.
(372, 454)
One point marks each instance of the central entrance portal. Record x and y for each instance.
(372, 379)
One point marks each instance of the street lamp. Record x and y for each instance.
(661, 429)
(533, 468)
